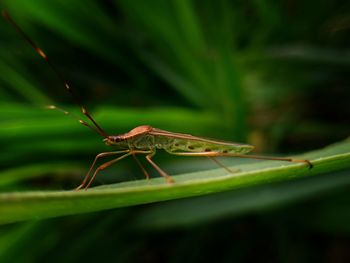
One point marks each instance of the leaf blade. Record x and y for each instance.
(39, 205)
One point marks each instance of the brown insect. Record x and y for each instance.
(147, 140)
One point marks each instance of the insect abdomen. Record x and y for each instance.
(179, 145)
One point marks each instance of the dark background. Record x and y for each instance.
(274, 74)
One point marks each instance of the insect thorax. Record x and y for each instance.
(139, 142)
(150, 142)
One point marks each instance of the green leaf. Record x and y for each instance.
(191, 212)
(45, 204)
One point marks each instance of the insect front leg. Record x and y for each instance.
(167, 177)
(109, 163)
(105, 165)
(100, 155)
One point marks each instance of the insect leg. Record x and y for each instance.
(100, 155)
(159, 170)
(109, 163)
(222, 166)
(104, 166)
(141, 166)
(216, 154)
(286, 159)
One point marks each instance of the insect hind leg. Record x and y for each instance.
(223, 166)
(220, 154)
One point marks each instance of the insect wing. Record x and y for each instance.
(189, 143)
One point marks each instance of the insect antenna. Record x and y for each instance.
(53, 107)
(67, 86)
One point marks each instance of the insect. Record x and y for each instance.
(146, 140)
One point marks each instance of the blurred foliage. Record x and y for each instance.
(273, 74)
